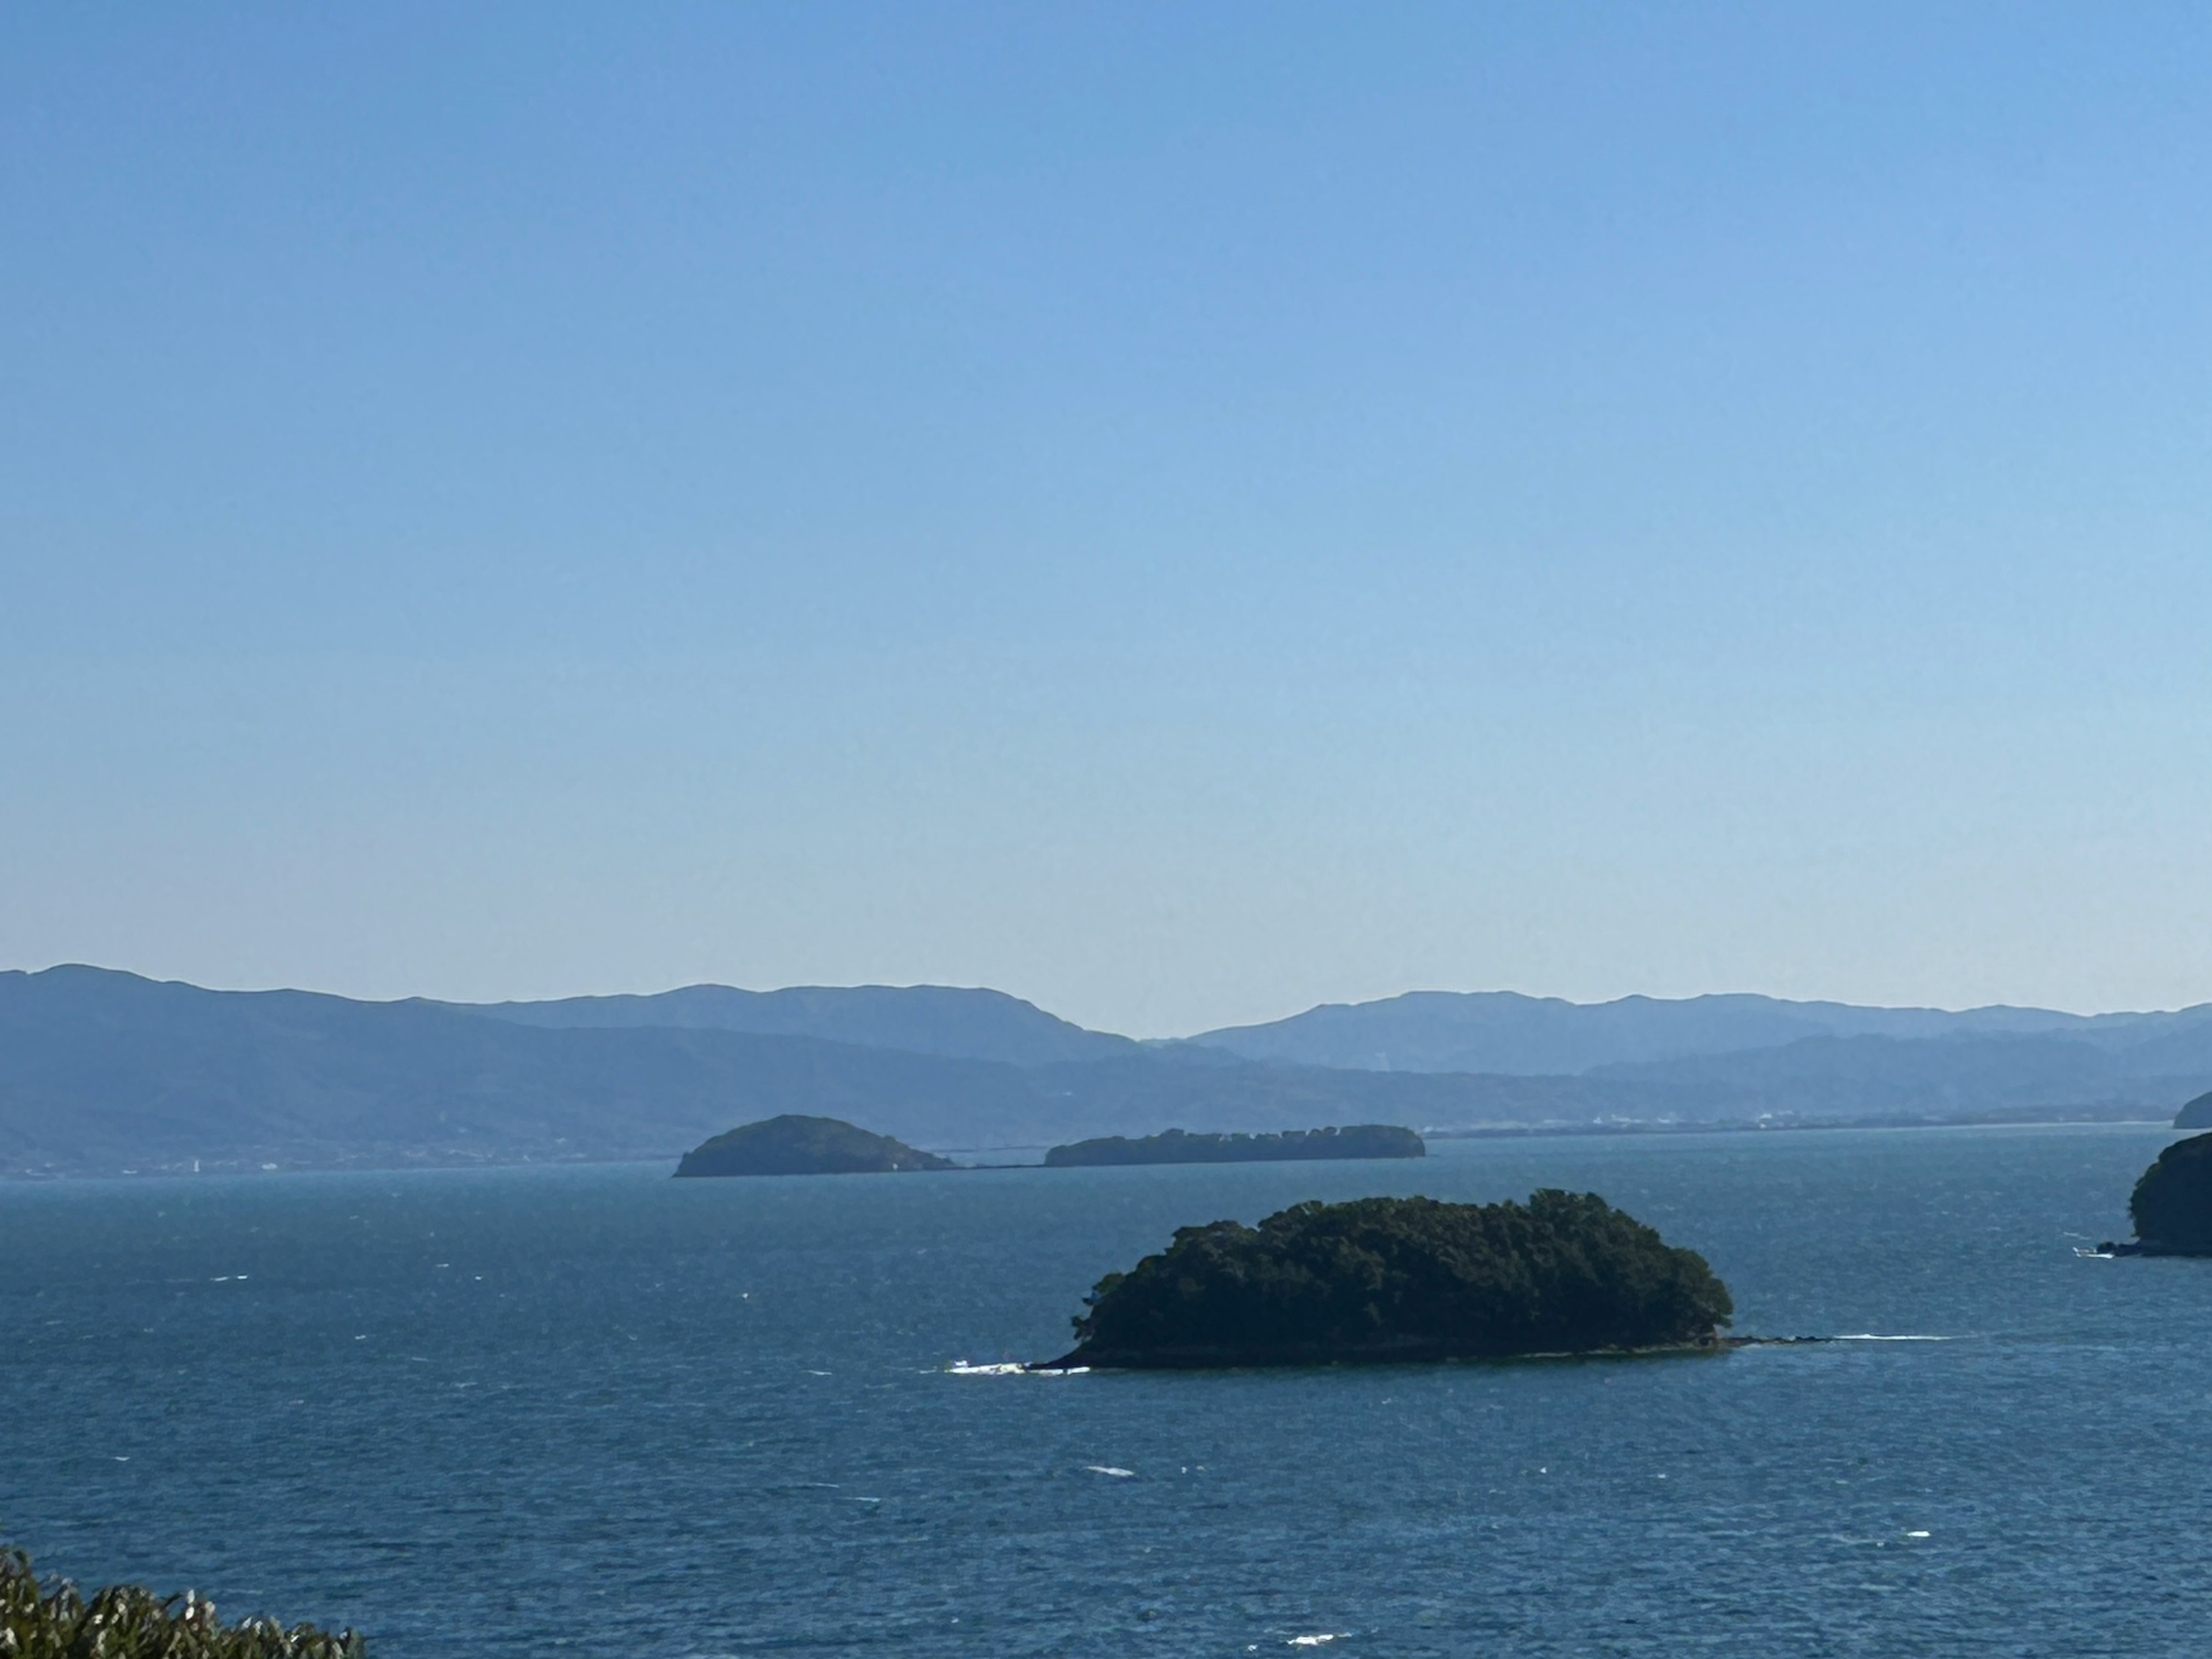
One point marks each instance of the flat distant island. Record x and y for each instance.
(792, 1145)
(1174, 1146)
(2171, 1204)
(1405, 1278)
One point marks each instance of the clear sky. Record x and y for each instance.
(1179, 512)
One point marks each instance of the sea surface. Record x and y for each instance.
(525, 1411)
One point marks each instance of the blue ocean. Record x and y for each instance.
(592, 1409)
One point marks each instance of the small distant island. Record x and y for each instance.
(1404, 1278)
(792, 1145)
(2171, 1204)
(1174, 1146)
(2196, 1114)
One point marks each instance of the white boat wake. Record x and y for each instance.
(1009, 1367)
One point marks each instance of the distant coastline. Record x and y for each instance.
(1015, 1155)
(105, 1073)
(2058, 1117)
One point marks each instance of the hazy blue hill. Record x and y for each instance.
(1255, 1096)
(1502, 1031)
(102, 1070)
(1958, 1076)
(923, 1019)
(2151, 1045)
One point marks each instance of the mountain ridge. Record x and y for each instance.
(106, 1072)
(1510, 1033)
(956, 1022)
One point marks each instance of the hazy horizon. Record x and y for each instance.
(1184, 515)
(1212, 520)
(1267, 1018)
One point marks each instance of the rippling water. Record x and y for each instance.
(513, 1412)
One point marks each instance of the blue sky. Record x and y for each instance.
(1181, 513)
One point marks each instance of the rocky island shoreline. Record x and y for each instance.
(2171, 1204)
(1381, 1280)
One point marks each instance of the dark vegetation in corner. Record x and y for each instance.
(792, 1145)
(1174, 1146)
(1405, 1278)
(125, 1622)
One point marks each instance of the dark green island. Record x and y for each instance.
(2196, 1114)
(2171, 1204)
(792, 1145)
(126, 1622)
(1405, 1278)
(1360, 1141)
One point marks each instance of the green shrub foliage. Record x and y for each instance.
(2172, 1202)
(125, 1622)
(1405, 1278)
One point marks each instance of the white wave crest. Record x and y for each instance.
(1009, 1367)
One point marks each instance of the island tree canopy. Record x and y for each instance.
(796, 1145)
(2172, 1202)
(1405, 1278)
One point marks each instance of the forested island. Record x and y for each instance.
(792, 1145)
(2196, 1114)
(1405, 1278)
(1174, 1146)
(2171, 1204)
(126, 1622)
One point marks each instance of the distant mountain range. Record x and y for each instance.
(921, 1020)
(103, 1071)
(1522, 1036)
